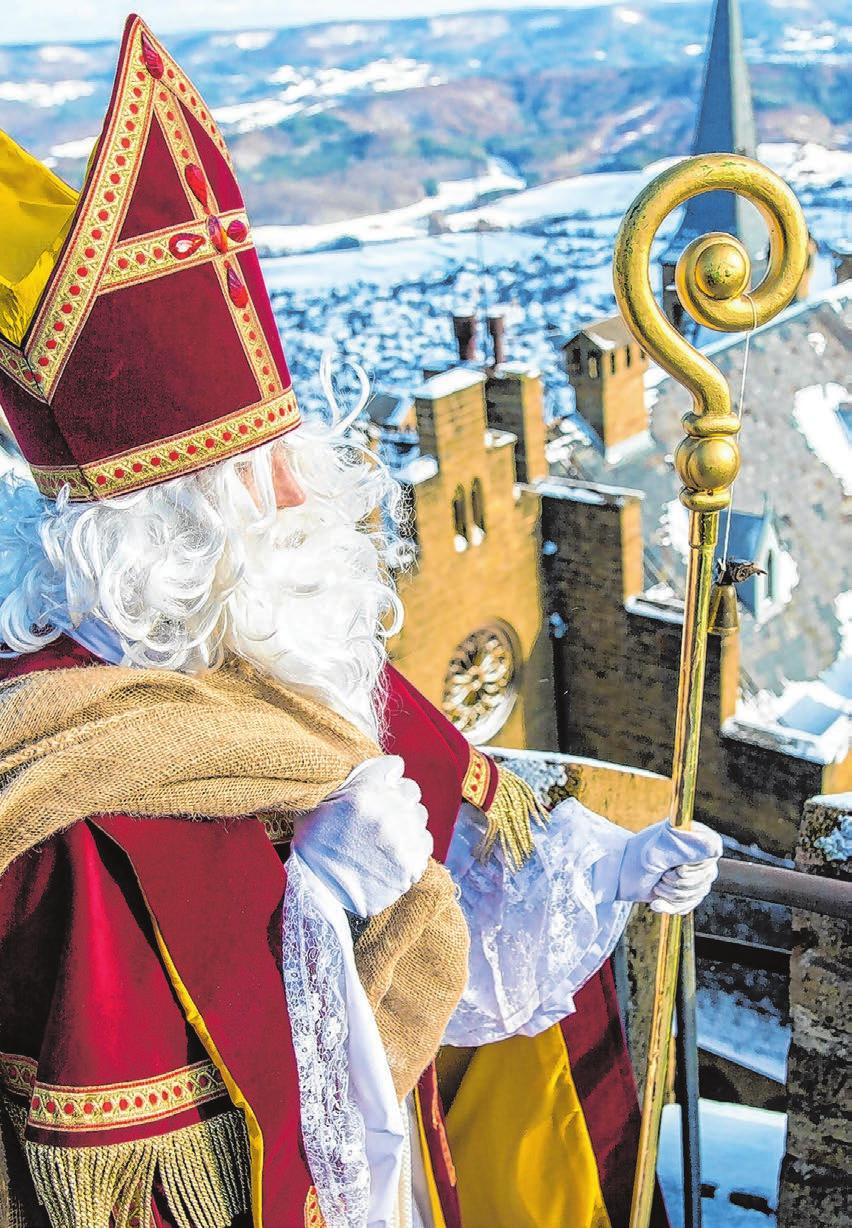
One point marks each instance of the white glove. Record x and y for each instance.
(672, 869)
(367, 843)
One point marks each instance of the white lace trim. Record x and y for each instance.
(537, 934)
(332, 1126)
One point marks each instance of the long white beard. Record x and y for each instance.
(308, 608)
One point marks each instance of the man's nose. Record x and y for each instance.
(288, 491)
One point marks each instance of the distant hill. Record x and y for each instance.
(336, 120)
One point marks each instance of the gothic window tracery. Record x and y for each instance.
(480, 685)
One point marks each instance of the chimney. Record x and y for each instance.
(464, 328)
(497, 331)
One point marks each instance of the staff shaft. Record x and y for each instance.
(703, 534)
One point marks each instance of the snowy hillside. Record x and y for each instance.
(353, 119)
(385, 298)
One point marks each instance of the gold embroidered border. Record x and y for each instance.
(252, 336)
(17, 368)
(278, 827)
(148, 256)
(103, 208)
(477, 778)
(172, 457)
(313, 1215)
(104, 202)
(18, 1074)
(176, 80)
(111, 1105)
(50, 480)
(181, 145)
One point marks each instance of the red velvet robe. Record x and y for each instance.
(140, 986)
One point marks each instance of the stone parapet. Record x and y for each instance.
(815, 1170)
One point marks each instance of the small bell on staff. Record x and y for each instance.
(724, 610)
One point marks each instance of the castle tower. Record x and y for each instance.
(606, 367)
(725, 125)
(475, 637)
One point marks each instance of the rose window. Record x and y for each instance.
(479, 686)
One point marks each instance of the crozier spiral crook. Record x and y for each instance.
(712, 280)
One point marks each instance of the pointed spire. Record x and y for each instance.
(725, 125)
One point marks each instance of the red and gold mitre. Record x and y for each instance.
(152, 349)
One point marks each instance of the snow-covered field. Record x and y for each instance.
(810, 169)
(304, 93)
(397, 224)
(741, 1153)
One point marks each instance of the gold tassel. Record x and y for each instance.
(5, 1193)
(203, 1168)
(510, 818)
(11, 1211)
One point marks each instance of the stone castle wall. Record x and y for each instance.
(494, 579)
(617, 664)
(815, 1171)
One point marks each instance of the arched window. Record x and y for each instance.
(576, 358)
(594, 366)
(612, 363)
(771, 576)
(628, 356)
(477, 504)
(460, 525)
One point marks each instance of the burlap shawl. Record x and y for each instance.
(115, 740)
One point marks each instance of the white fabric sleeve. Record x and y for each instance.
(538, 933)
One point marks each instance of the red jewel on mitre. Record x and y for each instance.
(154, 349)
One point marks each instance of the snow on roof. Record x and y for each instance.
(457, 379)
(517, 368)
(584, 492)
(754, 728)
(389, 408)
(610, 333)
(809, 715)
(817, 412)
(418, 469)
(499, 439)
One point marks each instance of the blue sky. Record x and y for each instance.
(43, 20)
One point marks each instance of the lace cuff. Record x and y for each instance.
(537, 933)
(352, 1124)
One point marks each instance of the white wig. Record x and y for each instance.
(193, 568)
